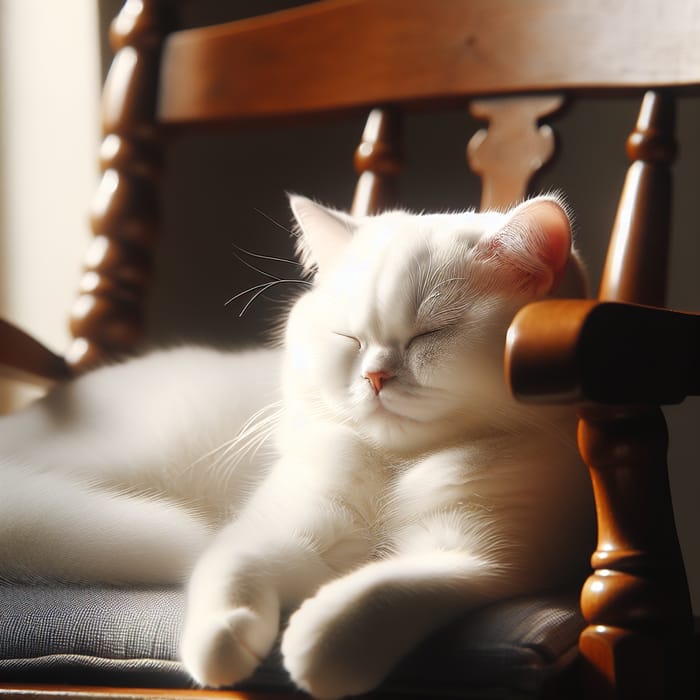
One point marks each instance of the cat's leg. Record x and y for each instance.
(115, 477)
(54, 528)
(292, 537)
(348, 637)
(234, 603)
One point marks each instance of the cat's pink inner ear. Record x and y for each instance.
(323, 233)
(536, 243)
(556, 229)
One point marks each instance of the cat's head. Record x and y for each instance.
(402, 333)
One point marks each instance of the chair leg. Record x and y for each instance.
(638, 643)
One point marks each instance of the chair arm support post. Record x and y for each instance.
(636, 602)
(618, 362)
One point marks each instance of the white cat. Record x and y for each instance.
(376, 476)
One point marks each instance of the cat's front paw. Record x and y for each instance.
(227, 647)
(329, 648)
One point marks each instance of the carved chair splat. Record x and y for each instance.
(513, 148)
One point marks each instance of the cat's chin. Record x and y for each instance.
(427, 412)
(399, 432)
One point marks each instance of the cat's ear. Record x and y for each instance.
(323, 233)
(532, 247)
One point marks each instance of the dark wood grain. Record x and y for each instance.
(423, 52)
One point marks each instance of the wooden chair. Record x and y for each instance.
(514, 64)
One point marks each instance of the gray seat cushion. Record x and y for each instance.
(129, 637)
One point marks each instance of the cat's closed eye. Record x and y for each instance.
(425, 335)
(350, 338)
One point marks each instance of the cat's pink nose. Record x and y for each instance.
(377, 379)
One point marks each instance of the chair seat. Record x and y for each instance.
(129, 637)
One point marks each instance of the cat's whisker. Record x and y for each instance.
(248, 442)
(254, 435)
(244, 448)
(203, 458)
(255, 432)
(272, 258)
(244, 292)
(273, 221)
(253, 267)
(259, 289)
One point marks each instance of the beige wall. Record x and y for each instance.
(48, 135)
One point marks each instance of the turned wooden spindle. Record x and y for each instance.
(378, 163)
(513, 148)
(636, 602)
(107, 317)
(640, 237)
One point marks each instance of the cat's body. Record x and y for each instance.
(393, 484)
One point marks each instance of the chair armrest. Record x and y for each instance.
(23, 357)
(604, 352)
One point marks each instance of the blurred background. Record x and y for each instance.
(220, 190)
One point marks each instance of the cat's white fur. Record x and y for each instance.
(375, 475)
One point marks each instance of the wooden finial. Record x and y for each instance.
(637, 260)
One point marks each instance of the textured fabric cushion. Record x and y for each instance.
(92, 634)
(116, 636)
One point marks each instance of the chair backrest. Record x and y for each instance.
(513, 64)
